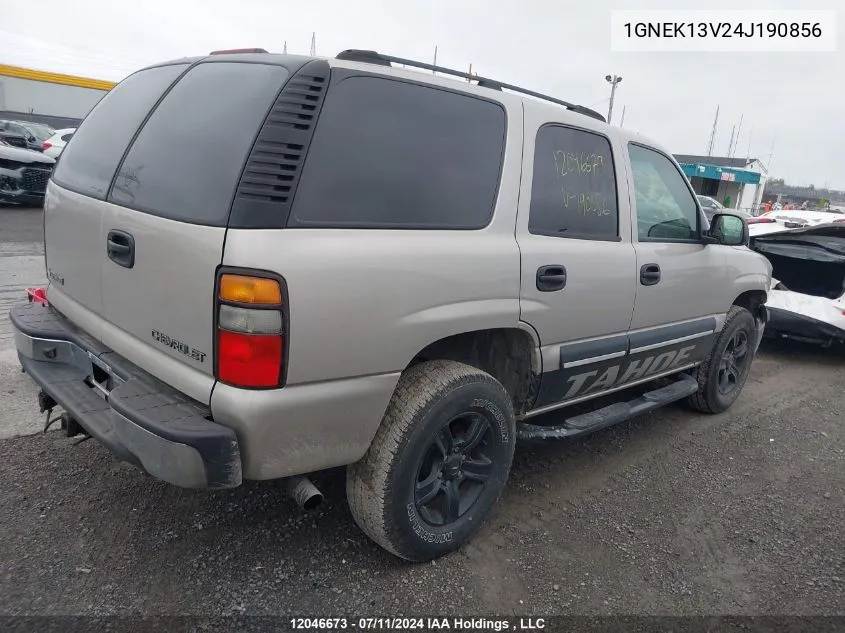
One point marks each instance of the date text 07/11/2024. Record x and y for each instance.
(419, 624)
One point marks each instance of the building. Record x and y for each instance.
(56, 99)
(740, 179)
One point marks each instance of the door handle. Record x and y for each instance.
(120, 247)
(650, 274)
(551, 278)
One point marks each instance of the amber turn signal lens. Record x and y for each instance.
(242, 289)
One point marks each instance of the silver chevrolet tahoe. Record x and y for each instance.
(261, 266)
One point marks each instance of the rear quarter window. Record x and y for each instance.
(188, 157)
(393, 154)
(88, 165)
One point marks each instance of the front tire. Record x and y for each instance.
(438, 462)
(722, 376)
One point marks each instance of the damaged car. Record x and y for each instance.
(23, 175)
(807, 296)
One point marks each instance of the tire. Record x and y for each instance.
(387, 487)
(712, 397)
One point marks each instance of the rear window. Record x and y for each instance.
(88, 165)
(391, 154)
(187, 159)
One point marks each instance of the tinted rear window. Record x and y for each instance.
(391, 154)
(88, 165)
(573, 192)
(188, 157)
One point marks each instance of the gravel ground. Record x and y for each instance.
(674, 513)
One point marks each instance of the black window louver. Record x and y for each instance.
(268, 182)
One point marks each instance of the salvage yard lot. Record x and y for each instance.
(672, 513)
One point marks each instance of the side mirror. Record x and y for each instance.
(727, 229)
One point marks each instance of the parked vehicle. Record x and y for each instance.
(710, 206)
(807, 297)
(451, 261)
(778, 221)
(34, 133)
(23, 175)
(14, 140)
(54, 145)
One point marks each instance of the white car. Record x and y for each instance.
(807, 294)
(54, 145)
(783, 219)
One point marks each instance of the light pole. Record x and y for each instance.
(612, 80)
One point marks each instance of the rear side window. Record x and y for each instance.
(188, 157)
(573, 192)
(88, 165)
(391, 154)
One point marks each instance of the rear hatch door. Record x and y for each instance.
(163, 224)
(75, 201)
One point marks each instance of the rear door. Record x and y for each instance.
(162, 233)
(75, 201)
(578, 286)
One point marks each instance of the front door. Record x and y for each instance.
(682, 286)
(577, 285)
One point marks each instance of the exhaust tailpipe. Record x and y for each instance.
(305, 493)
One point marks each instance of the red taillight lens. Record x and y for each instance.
(761, 220)
(46, 145)
(249, 360)
(250, 330)
(839, 220)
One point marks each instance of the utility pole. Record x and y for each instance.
(748, 153)
(613, 80)
(736, 141)
(713, 133)
(731, 142)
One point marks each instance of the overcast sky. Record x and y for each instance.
(792, 102)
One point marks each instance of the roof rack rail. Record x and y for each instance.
(372, 57)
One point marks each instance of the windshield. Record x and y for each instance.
(39, 131)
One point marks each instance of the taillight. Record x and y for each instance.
(250, 330)
(839, 220)
(46, 145)
(761, 221)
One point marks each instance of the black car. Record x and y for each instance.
(23, 175)
(34, 133)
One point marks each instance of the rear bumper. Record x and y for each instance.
(794, 325)
(140, 419)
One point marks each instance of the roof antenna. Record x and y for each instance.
(314, 44)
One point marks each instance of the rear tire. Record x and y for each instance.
(438, 462)
(722, 376)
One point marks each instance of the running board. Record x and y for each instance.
(612, 414)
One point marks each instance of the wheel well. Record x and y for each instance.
(507, 354)
(751, 300)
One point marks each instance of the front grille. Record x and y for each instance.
(35, 180)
